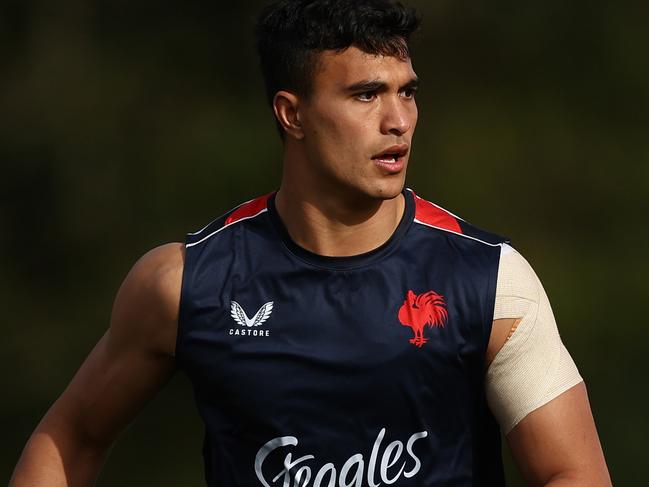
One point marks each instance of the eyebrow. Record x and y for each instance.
(376, 85)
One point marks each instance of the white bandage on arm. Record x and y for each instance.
(533, 367)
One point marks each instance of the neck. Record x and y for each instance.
(329, 224)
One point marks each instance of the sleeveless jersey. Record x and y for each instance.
(341, 371)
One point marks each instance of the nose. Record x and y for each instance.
(398, 116)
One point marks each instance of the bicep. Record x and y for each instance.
(559, 441)
(110, 388)
(534, 388)
(134, 358)
(532, 367)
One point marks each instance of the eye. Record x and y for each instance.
(366, 95)
(409, 93)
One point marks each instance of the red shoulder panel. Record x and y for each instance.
(426, 212)
(248, 209)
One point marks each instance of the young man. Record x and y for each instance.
(341, 331)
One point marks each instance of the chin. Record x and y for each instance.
(388, 190)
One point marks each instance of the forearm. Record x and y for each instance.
(56, 457)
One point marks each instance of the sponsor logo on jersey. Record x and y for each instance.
(250, 324)
(387, 465)
(421, 310)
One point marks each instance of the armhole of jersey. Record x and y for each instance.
(490, 299)
(181, 308)
(490, 306)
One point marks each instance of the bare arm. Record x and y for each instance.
(534, 388)
(557, 444)
(129, 364)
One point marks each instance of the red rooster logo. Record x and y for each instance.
(419, 310)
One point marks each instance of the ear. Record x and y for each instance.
(286, 108)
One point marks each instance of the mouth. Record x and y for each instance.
(392, 154)
(393, 158)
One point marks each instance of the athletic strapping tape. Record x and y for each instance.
(533, 367)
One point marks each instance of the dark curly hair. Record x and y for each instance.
(291, 33)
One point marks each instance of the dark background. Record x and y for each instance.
(124, 125)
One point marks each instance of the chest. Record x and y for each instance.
(276, 331)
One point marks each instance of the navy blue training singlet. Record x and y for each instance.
(357, 371)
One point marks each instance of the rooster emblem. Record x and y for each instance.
(240, 316)
(419, 310)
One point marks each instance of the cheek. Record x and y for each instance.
(340, 133)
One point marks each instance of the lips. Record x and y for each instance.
(392, 160)
(391, 155)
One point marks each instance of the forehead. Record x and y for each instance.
(340, 69)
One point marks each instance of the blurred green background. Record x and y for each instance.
(124, 125)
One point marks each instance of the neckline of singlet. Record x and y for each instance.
(347, 262)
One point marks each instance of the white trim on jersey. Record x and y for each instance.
(230, 211)
(456, 233)
(226, 226)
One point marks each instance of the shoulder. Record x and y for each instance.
(518, 291)
(145, 311)
(429, 214)
(160, 267)
(516, 277)
(242, 212)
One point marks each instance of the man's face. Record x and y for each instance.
(358, 123)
